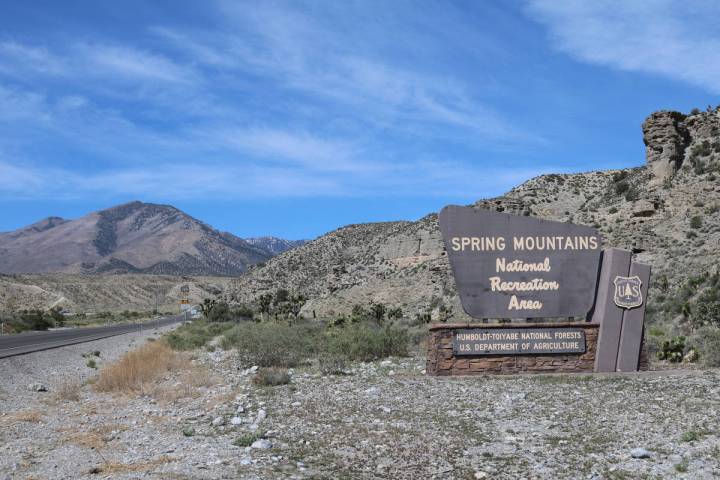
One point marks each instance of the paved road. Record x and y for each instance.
(22, 343)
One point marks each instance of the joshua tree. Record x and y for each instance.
(207, 306)
(377, 310)
(265, 301)
(296, 304)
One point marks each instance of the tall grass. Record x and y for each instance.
(136, 371)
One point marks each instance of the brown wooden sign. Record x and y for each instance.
(508, 266)
(518, 341)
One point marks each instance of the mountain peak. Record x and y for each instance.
(134, 236)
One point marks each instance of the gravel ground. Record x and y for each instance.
(383, 420)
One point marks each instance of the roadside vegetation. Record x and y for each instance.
(139, 369)
(272, 333)
(40, 320)
(684, 323)
(27, 320)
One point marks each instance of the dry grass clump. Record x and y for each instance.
(95, 438)
(271, 377)
(68, 391)
(30, 416)
(188, 385)
(118, 467)
(137, 370)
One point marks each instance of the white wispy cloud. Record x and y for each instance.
(311, 151)
(88, 61)
(330, 62)
(220, 182)
(677, 40)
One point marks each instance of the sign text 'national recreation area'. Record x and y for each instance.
(518, 341)
(509, 266)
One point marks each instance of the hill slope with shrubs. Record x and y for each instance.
(666, 212)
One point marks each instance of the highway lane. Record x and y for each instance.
(22, 343)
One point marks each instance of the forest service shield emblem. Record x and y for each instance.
(628, 291)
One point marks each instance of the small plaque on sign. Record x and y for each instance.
(518, 341)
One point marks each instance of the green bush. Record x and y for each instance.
(246, 439)
(706, 313)
(195, 334)
(271, 377)
(696, 222)
(273, 344)
(367, 342)
(621, 187)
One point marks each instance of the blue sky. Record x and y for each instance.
(295, 118)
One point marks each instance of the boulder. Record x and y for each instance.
(643, 208)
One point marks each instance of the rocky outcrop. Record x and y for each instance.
(666, 137)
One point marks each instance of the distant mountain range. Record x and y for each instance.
(135, 237)
(275, 245)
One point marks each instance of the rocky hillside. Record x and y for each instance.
(667, 212)
(275, 245)
(134, 237)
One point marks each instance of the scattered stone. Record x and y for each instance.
(262, 444)
(37, 387)
(218, 421)
(236, 420)
(639, 453)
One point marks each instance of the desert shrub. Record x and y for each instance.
(696, 222)
(367, 342)
(618, 176)
(332, 364)
(281, 295)
(632, 193)
(707, 340)
(621, 187)
(195, 334)
(672, 350)
(612, 210)
(35, 320)
(359, 314)
(273, 344)
(395, 313)
(68, 391)
(271, 377)
(246, 439)
(706, 313)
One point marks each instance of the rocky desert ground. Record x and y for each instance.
(206, 419)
